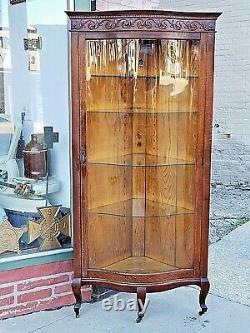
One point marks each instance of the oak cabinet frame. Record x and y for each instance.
(199, 29)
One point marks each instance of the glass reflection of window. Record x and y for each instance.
(40, 90)
(140, 138)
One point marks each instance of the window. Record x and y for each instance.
(34, 128)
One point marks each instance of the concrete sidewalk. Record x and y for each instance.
(229, 266)
(172, 311)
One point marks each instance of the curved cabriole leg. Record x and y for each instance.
(203, 294)
(141, 297)
(76, 287)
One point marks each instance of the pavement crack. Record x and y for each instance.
(222, 297)
(229, 299)
(49, 324)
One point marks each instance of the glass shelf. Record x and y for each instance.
(138, 76)
(140, 265)
(141, 160)
(143, 111)
(140, 208)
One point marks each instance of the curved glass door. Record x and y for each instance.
(141, 131)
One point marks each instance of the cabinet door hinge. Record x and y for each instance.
(83, 156)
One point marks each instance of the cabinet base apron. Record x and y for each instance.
(141, 291)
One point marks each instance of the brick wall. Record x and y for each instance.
(37, 288)
(231, 132)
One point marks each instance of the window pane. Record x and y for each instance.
(34, 127)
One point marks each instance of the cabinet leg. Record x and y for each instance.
(141, 297)
(203, 294)
(76, 287)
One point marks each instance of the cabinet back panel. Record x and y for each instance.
(109, 136)
(161, 184)
(109, 238)
(160, 239)
(186, 136)
(138, 234)
(162, 135)
(185, 240)
(112, 93)
(108, 184)
(185, 187)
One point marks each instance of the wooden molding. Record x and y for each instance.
(142, 21)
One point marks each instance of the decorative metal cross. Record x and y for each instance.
(49, 137)
(9, 236)
(49, 227)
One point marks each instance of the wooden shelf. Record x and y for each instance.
(140, 208)
(140, 265)
(141, 160)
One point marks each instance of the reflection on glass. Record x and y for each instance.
(34, 164)
(141, 127)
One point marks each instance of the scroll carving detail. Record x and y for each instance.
(141, 23)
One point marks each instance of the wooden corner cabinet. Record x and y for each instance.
(142, 90)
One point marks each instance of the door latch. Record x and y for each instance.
(83, 156)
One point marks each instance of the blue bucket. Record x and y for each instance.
(20, 219)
